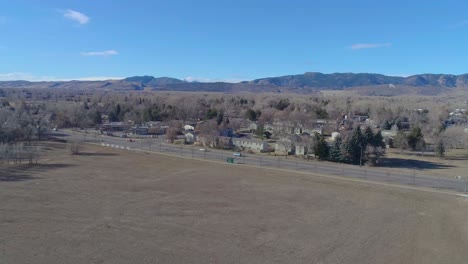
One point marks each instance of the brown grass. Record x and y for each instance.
(120, 207)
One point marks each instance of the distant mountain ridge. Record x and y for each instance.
(152, 81)
(348, 80)
(308, 82)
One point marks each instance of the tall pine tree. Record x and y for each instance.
(335, 150)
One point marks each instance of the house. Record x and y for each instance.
(389, 133)
(153, 123)
(288, 145)
(189, 128)
(335, 135)
(113, 126)
(140, 130)
(356, 118)
(279, 128)
(301, 149)
(255, 145)
(253, 126)
(300, 130)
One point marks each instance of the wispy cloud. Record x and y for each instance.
(100, 53)
(360, 46)
(76, 16)
(15, 76)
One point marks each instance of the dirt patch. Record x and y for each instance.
(120, 207)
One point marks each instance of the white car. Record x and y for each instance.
(202, 149)
(237, 154)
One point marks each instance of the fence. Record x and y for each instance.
(18, 153)
(411, 177)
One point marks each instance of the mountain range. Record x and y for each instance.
(364, 83)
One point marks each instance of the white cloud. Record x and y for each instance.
(100, 53)
(76, 16)
(360, 46)
(201, 79)
(15, 76)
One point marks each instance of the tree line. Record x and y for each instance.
(358, 148)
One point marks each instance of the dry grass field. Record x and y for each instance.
(109, 206)
(454, 164)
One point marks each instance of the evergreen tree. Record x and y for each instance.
(401, 141)
(386, 125)
(378, 140)
(117, 110)
(335, 150)
(113, 117)
(260, 131)
(251, 115)
(97, 119)
(321, 148)
(219, 118)
(147, 115)
(211, 113)
(344, 153)
(368, 137)
(415, 138)
(355, 146)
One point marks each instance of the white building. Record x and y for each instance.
(189, 128)
(255, 145)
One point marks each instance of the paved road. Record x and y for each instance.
(397, 176)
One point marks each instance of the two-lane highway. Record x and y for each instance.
(397, 176)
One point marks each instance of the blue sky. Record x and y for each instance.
(229, 40)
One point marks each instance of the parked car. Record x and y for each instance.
(202, 149)
(130, 140)
(237, 154)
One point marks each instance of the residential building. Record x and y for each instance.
(255, 145)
